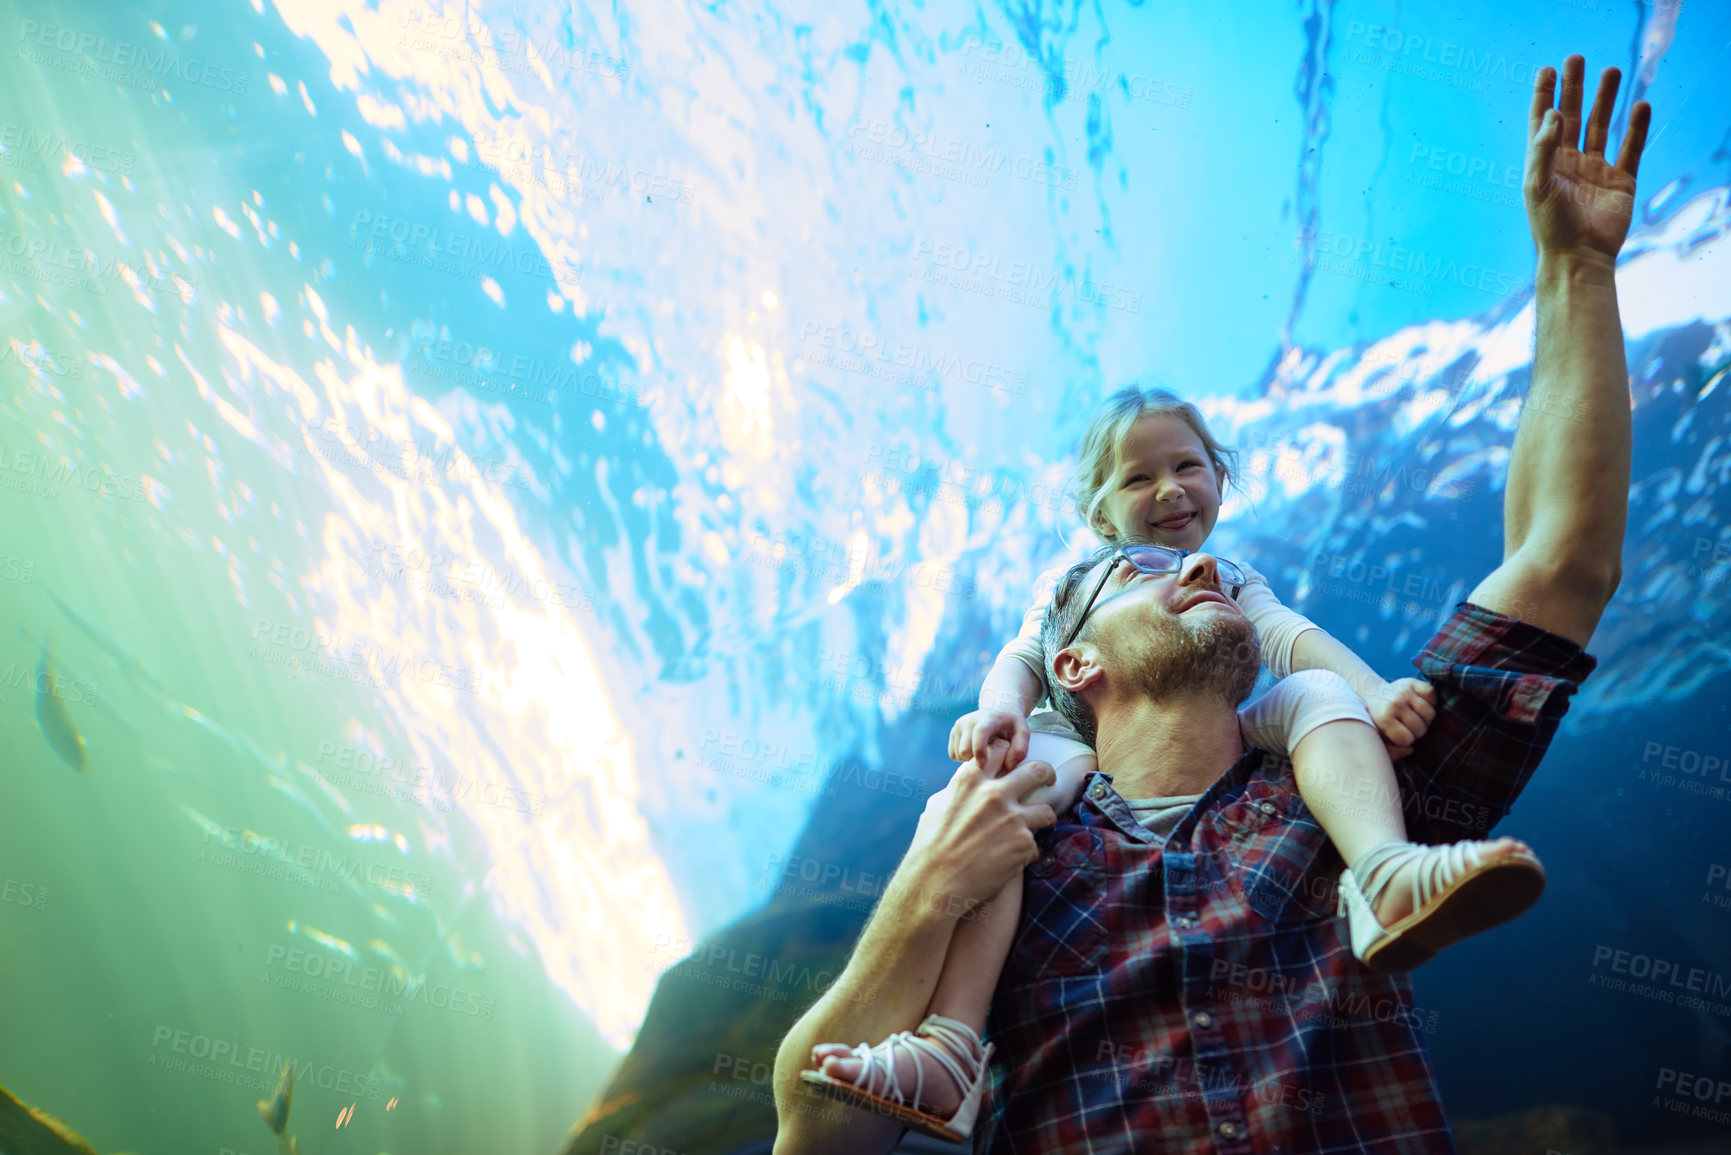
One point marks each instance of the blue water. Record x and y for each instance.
(475, 473)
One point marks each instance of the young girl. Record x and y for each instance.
(1151, 471)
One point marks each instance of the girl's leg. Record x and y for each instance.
(980, 946)
(1345, 777)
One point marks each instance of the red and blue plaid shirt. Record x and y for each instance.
(1201, 995)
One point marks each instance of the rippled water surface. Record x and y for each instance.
(475, 478)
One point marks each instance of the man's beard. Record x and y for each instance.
(1218, 656)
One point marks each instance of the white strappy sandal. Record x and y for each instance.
(1457, 891)
(953, 1045)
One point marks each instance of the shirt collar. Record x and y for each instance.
(1099, 793)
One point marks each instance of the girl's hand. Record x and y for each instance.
(971, 737)
(1402, 710)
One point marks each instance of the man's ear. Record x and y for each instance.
(1076, 669)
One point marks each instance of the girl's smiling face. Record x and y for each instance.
(1165, 489)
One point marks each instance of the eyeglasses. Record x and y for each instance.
(1153, 559)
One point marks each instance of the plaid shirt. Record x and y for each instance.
(1202, 996)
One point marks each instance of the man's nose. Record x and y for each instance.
(1201, 569)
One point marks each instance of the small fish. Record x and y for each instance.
(57, 725)
(276, 1112)
(108, 642)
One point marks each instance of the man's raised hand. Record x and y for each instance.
(1577, 202)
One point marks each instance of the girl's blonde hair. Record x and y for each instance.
(1103, 444)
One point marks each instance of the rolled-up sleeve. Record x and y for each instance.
(1503, 687)
(1277, 627)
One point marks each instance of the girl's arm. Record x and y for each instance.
(1011, 686)
(1006, 699)
(1015, 685)
(1402, 709)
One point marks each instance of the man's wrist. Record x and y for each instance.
(1575, 266)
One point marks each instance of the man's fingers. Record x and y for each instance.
(1574, 83)
(1599, 120)
(1635, 138)
(968, 772)
(1544, 96)
(1027, 778)
(1542, 153)
(1039, 816)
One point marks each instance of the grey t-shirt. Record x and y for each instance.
(1161, 815)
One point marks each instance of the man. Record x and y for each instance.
(1186, 985)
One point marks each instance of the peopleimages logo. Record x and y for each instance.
(564, 172)
(233, 1061)
(32, 144)
(471, 363)
(88, 270)
(87, 53)
(441, 250)
(339, 979)
(1458, 65)
(471, 39)
(1361, 258)
(38, 358)
(1018, 282)
(866, 353)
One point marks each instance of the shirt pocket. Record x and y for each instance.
(1278, 855)
(1062, 930)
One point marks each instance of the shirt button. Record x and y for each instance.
(1229, 1130)
(1265, 807)
(1099, 791)
(1204, 1019)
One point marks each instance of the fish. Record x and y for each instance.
(51, 714)
(276, 1112)
(108, 642)
(102, 702)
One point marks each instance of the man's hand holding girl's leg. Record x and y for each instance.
(975, 836)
